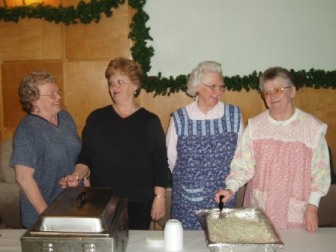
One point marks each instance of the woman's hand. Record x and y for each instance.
(80, 172)
(24, 176)
(69, 181)
(227, 193)
(311, 218)
(158, 208)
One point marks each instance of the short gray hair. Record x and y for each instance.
(275, 72)
(196, 75)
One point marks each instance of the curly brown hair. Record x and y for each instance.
(127, 67)
(28, 89)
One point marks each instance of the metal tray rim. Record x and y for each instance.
(201, 213)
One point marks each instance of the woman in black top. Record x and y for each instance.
(123, 146)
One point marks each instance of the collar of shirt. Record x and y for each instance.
(196, 114)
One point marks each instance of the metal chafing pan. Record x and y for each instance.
(238, 230)
(81, 209)
(81, 219)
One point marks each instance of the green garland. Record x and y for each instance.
(83, 13)
(139, 34)
(87, 12)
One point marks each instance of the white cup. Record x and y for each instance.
(173, 235)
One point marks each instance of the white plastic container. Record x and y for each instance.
(173, 235)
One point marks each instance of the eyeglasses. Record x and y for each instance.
(54, 94)
(220, 88)
(276, 91)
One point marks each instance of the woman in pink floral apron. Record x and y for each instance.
(283, 156)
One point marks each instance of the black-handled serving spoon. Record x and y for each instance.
(221, 206)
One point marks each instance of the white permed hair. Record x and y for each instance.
(197, 73)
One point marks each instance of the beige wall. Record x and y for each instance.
(78, 55)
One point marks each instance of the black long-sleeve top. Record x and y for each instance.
(128, 154)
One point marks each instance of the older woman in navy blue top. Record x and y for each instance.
(45, 145)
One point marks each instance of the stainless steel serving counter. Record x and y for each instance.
(295, 240)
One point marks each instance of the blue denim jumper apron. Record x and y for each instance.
(205, 149)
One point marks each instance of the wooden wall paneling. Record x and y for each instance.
(320, 103)
(249, 102)
(31, 39)
(86, 89)
(1, 110)
(12, 74)
(99, 41)
(11, 3)
(163, 106)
